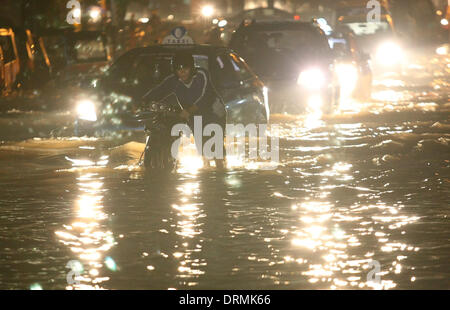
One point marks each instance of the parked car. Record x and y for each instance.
(9, 60)
(76, 54)
(35, 66)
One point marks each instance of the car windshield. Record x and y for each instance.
(296, 41)
(368, 28)
(278, 53)
(265, 13)
(148, 69)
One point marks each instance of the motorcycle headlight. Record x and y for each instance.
(389, 53)
(311, 79)
(86, 110)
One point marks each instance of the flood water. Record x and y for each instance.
(367, 186)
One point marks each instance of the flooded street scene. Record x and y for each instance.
(357, 197)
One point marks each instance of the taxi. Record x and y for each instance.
(111, 102)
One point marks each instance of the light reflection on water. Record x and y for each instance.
(321, 229)
(348, 192)
(86, 236)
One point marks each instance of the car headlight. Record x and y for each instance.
(311, 79)
(348, 77)
(315, 102)
(207, 10)
(86, 110)
(442, 50)
(389, 53)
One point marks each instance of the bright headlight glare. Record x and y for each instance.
(77, 13)
(207, 11)
(348, 77)
(86, 110)
(442, 50)
(94, 13)
(389, 53)
(311, 79)
(315, 102)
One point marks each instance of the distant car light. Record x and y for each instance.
(323, 24)
(389, 53)
(95, 13)
(207, 11)
(444, 22)
(222, 23)
(442, 50)
(315, 103)
(86, 110)
(348, 77)
(144, 20)
(77, 13)
(311, 79)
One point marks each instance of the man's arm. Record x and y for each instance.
(161, 91)
(199, 88)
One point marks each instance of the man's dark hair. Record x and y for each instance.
(183, 60)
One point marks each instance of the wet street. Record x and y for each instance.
(365, 187)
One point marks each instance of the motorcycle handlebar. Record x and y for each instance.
(155, 106)
(149, 110)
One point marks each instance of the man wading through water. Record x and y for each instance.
(197, 97)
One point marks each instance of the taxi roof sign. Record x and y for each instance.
(178, 36)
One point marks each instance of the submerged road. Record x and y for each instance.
(360, 199)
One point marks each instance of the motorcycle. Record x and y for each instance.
(158, 120)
